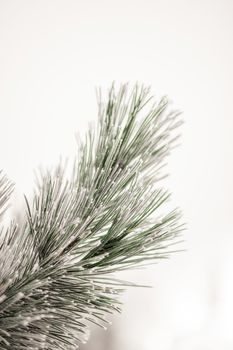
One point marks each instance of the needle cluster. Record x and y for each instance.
(57, 263)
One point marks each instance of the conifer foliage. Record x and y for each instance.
(57, 264)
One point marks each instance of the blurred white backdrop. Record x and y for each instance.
(53, 53)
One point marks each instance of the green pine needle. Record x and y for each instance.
(56, 267)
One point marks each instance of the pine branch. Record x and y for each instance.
(57, 266)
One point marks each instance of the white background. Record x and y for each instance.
(52, 56)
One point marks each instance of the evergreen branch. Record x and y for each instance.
(80, 229)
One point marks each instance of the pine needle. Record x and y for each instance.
(57, 266)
